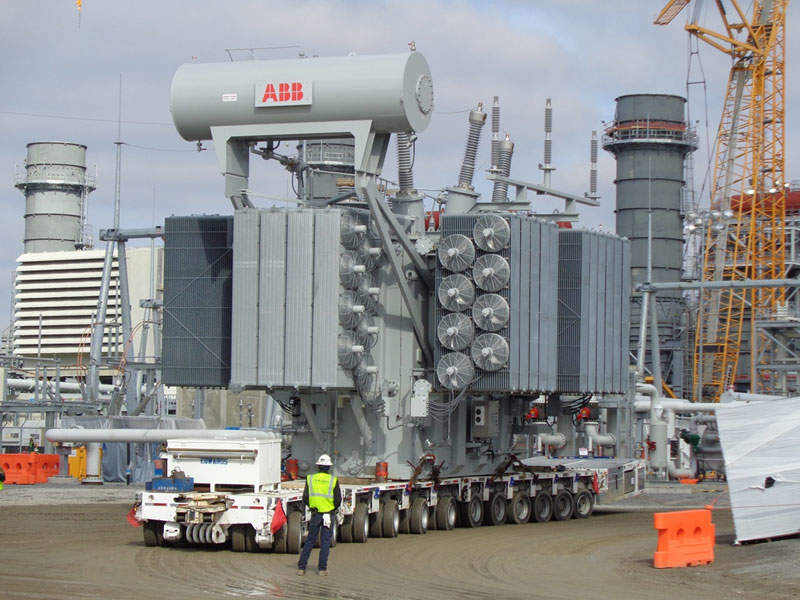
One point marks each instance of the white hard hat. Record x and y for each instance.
(324, 461)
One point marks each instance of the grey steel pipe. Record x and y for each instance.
(679, 406)
(504, 153)
(495, 130)
(151, 435)
(600, 439)
(557, 440)
(477, 118)
(28, 385)
(404, 173)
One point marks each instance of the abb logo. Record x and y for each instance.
(283, 93)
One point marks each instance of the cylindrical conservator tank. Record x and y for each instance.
(395, 91)
(55, 187)
(650, 140)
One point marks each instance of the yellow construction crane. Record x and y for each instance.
(745, 237)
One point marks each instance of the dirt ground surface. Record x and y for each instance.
(82, 551)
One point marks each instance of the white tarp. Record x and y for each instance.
(761, 446)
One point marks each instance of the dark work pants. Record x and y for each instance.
(315, 529)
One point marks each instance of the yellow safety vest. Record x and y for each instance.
(320, 491)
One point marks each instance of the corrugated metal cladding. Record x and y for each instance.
(531, 294)
(198, 266)
(593, 312)
(285, 298)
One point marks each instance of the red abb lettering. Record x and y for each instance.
(283, 92)
(269, 94)
(297, 91)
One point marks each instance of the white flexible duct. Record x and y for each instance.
(556, 440)
(600, 439)
(679, 406)
(677, 473)
(152, 435)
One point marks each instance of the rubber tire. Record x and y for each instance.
(391, 519)
(472, 512)
(418, 518)
(376, 523)
(294, 532)
(446, 513)
(542, 507)
(346, 529)
(495, 510)
(250, 539)
(563, 506)
(360, 523)
(405, 521)
(238, 541)
(279, 540)
(149, 533)
(586, 499)
(432, 518)
(519, 509)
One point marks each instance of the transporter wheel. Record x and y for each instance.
(446, 513)
(152, 532)
(391, 519)
(279, 540)
(563, 506)
(418, 517)
(376, 523)
(294, 532)
(360, 523)
(495, 510)
(238, 543)
(542, 507)
(584, 504)
(472, 512)
(250, 539)
(405, 521)
(432, 525)
(346, 529)
(519, 508)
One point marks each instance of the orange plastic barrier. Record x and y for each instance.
(685, 539)
(45, 465)
(19, 468)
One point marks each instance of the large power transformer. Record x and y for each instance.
(383, 340)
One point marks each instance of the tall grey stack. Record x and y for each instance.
(650, 140)
(55, 185)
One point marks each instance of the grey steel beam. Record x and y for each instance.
(405, 242)
(717, 285)
(123, 235)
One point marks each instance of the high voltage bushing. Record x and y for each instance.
(504, 153)
(477, 118)
(404, 172)
(495, 129)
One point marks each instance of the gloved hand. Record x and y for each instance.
(326, 520)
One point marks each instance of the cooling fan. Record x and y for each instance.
(456, 292)
(492, 233)
(455, 331)
(490, 351)
(490, 312)
(351, 230)
(350, 310)
(456, 252)
(349, 351)
(491, 272)
(455, 371)
(351, 270)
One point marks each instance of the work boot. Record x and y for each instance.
(323, 573)
(301, 572)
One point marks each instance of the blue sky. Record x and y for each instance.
(580, 53)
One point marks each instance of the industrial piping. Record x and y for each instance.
(151, 435)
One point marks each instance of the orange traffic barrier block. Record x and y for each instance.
(685, 539)
(46, 466)
(20, 468)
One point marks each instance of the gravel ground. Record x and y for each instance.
(74, 543)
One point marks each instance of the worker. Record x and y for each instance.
(323, 496)
(31, 445)
(2, 477)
